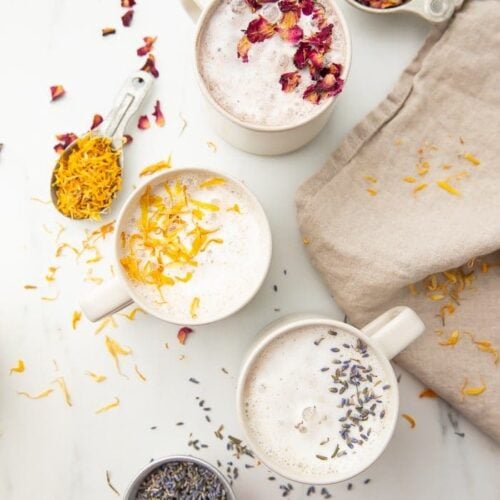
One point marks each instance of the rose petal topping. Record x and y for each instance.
(244, 46)
(127, 18)
(322, 39)
(289, 6)
(311, 94)
(150, 66)
(253, 4)
(259, 29)
(319, 15)
(301, 55)
(143, 122)
(56, 92)
(127, 139)
(290, 81)
(289, 19)
(108, 31)
(128, 3)
(183, 333)
(307, 7)
(157, 113)
(96, 121)
(292, 35)
(148, 46)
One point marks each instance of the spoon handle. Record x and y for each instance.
(127, 103)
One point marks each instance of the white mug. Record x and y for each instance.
(118, 293)
(387, 335)
(259, 139)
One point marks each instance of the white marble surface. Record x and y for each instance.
(50, 451)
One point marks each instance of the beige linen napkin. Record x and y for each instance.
(375, 219)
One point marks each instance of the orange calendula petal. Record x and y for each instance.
(420, 187)
(427, 393)
(290, 81)
(140, 374)
(411, 420)
(30, 287)
(193, 308)
(156, 167)
(50, 298)
(370, 179)
(77, 316)
(51, 275)
(184, 279)
(423, 168)
(472, 159)
(108, 321)
(183, 333)
(214, 181)
(147, 47)
(436, 296)
(127, 18)
(96, 377)
(143, 122)
(211, 207)
(132, 314)
(96, 121)
(157, 113)
(108, 31)
(108, 406)
(409, 179)
(150, 66)
(116, 350)
(244, 46)
(452, 339)
(372, 192)
(472, 390)
(448, 187)
(19, 368)
(56, 92)
(40, 395)
(234, 208)
(64, 389)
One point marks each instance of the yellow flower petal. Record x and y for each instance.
(19, 368)
(156, 167)
(108, 406)
(64, 388)
(140, 374)
(131, 314)
(409, 179)
(193, 309)
(234, 208)
(420, 187)
(214, 181)
(448, 187)
(40, 395)
(452, 339)
(472, 391)
(116, 350)
(77, 316)
(372, 192)
(370, 179)
(472, 159)
(411, 420)
(96, 377)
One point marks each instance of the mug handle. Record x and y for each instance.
(105, 299)
(394, 330)
(194, 7)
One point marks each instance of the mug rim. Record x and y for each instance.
(288, 324)
(346, 68)
(153, 180)
(374, 10)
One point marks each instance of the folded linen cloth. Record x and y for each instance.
(414, 191)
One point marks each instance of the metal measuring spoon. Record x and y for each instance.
(434, 11)
(129, 99)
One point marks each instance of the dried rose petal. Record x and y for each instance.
(148, 46)
(319, 15)
(311, 94)
(127, 18)
(292, 35)
(290, 81)
(56, 92)
(128, 3)
(322, 39)
(253, 4)
(108, 31)
(301, 55)
(315, 62)
(289, 19)
(244, 46)
(183, 333)
(307, 7)
(159, 118)
(127, 139)
(96, 121)
(260, 29)
(64, 141)
(150, 66)
(289, 6)
(143, 122)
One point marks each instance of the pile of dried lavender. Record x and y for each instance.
(186, 480)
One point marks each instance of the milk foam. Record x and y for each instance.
(251, 91)
(227, 273)
(293, 417)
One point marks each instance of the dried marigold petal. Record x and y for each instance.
(409, 179)
(370, 179)
(183, 333)
(472, 391)
(436, 296)
(77, 316)
(289, 81)
(244, 46)
(372, 192)
(49, 298)
(127, 139)
(260, 29)
(149, 41)
(107, 321)
(30, 287)
(413, 289)
(452, 339)
(108, 406)
(96, 377)
(234, 208)
(186, 278)
(64, 388)
(411, 420)
(420, 187)
(108, 31)
(193, 308)
(116, 350)
(143, 123)
(211, 207)
(56, 92)
(140, 374)
(423, 168)
(19, 368)
(40, 395)
(427, 393)
(127, 18)
(157, 113)
(150, 66)
(472, 159)
(448, 187)
(51, 275)
(213, 181)
(132, 314)
(96, 121)
(156, 167)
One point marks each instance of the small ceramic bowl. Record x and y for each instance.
(434, 11)
(134, 486)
